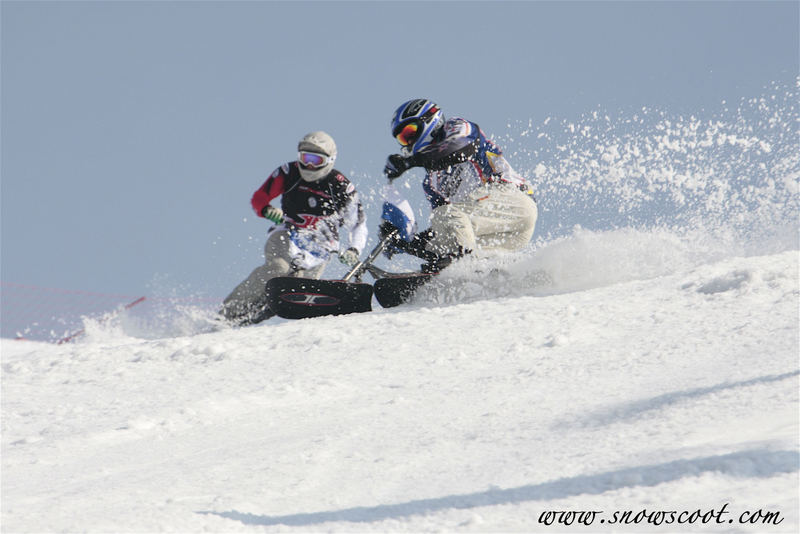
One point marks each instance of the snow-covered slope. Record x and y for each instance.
(672, 393)
(640, 361)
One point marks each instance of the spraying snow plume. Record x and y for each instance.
(733, 171)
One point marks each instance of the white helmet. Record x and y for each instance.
(316, 154)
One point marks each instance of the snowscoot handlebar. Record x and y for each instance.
(365, 264)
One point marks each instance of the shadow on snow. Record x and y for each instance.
(634, 410)
(752, 463)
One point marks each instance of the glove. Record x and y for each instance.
(387, 228)
(273, 214)
(415, 247)
(349, 257)
(395, 166)
(394, 245)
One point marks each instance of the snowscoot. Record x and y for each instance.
(300, 298)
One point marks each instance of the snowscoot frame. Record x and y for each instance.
(300, 298)
(366, 264)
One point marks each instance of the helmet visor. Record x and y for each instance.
(407, 133)
(312, 160)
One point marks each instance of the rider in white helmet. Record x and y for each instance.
(316, 202)
(478, 201)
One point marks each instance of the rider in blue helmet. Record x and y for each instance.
(478, 201)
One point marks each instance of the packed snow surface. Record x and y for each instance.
(642, 374)
(668, 394)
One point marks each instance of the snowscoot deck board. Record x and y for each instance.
(301, 298)
(394, 290)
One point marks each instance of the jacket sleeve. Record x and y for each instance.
(461, 142)
(448, 153)
(269, 190)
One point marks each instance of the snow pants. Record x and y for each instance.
(248, 299)
(493, 217)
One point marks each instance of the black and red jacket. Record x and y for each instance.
(305, 204)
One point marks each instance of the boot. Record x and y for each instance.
(444, 260)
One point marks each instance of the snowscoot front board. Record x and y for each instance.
(393, 291)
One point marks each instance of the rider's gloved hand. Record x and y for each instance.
(273, 214)
(397, 165)
(349, 257)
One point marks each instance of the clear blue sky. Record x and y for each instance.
(134, 133)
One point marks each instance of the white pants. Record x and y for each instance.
(249, 296)
(494, 217)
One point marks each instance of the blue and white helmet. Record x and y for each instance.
(415, 123)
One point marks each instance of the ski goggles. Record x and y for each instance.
(312, 160)
(407, 133)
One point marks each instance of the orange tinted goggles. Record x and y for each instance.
(407, 133)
